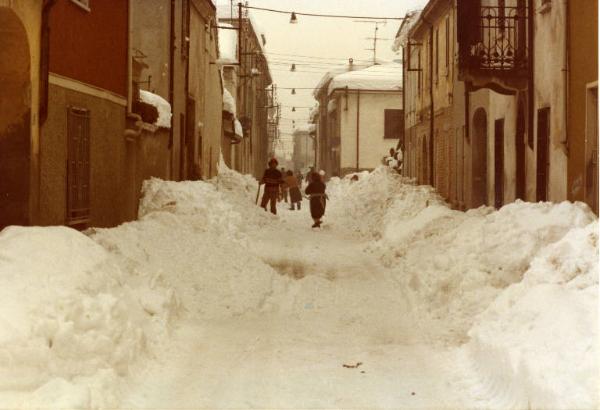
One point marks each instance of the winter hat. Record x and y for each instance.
(273, 160)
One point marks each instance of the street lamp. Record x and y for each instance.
(293, 91)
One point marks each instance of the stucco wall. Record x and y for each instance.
(550, 92)
(109, 202)
(371, 142)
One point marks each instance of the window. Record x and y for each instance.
(84, 4)
(78, 167)
(394, 124)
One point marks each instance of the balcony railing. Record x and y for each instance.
(493, 39)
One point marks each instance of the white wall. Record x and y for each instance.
(550, 91)
(372, 146)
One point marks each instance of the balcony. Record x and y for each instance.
(493, 44)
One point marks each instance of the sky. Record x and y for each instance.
(316, 44)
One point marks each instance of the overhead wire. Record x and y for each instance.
(320, 15)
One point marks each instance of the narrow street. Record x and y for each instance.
(340, 307)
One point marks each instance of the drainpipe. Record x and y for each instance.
(171, 81)
(44, 61)
(531, 93)
(405, 153)
(566, 70)
(358, 131)
(431, 107)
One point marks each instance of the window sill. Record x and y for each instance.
(81, 6)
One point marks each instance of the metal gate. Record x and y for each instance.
(78, 167)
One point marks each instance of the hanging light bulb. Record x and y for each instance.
(293, 67)
(294, 19)
(293, 91)
(293, 109)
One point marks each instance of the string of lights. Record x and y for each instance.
(296, 13)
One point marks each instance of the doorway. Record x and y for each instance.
(499, 163)
(543, 154)
(15, 119)
(520, 152)
(479, 159)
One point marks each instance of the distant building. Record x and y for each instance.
(360, 118)
(304, 147)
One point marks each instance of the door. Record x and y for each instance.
(193, 157)
(591, 149)
(499, 163)
(78, 167)
(543, 146)
(479, 167)
(520, 152)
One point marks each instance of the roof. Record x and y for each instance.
(383, 77)
(408, 23)
(329, 75)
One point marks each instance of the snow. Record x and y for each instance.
(228, 44)
(384, 77)
(229, 104)
(239, 129)
(162, 105)
(207, 301)
(305, 128)
(406, 26)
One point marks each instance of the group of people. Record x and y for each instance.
(279, 184)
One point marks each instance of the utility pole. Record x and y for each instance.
(375, 37)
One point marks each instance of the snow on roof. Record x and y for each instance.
(239, 130)
(305, 129)
(225, 12)
(228, 45)
(162, 105)
(229, 102)
(314, 112)
(335, 71)
(407, 24)
(384, 77)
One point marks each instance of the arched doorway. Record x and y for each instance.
(479, 158)
(15, 119)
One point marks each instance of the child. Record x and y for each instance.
(293, 186)
(316, 191)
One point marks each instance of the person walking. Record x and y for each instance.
(272, 179)
(293, 186)
(284, 188)
(316, 191)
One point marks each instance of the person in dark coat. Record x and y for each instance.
(318, 198)
(272, 179)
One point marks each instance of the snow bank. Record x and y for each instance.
(520, 282)
(544, 329)
(385, 77)
(162, 105)
(67, 323)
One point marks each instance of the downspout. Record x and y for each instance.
(358, 131)
(183, 155)
(531, 93)
(171, 83)
(406, 165)
(566, 70)
(44, 61)
(431, 107)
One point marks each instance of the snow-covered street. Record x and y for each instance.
(208, 302)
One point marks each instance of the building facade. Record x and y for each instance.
(487, 100)
(360, 118)
(20, 99)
